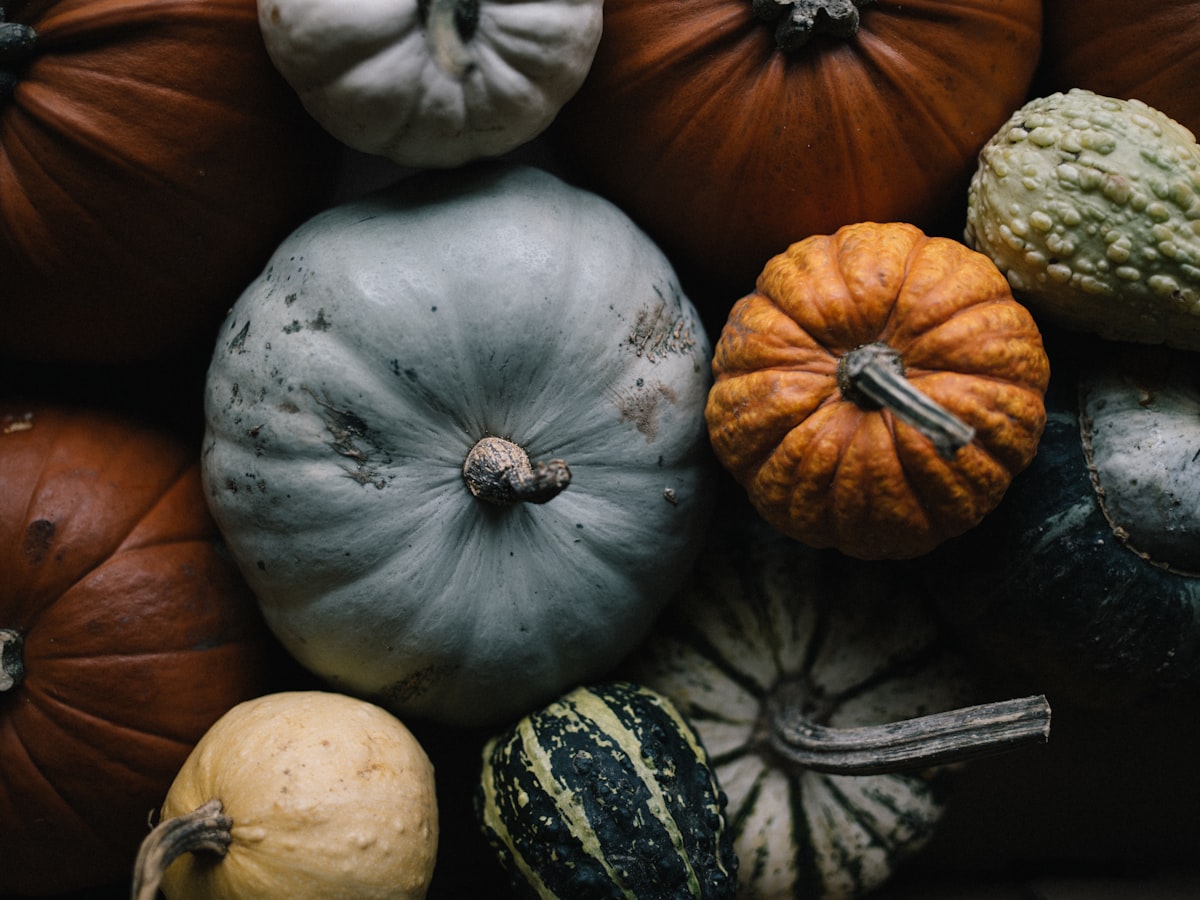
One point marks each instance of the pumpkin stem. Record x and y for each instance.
(796, 21)
(500, 472)
(873, 376)
(448, 25)
(205, 829)
(12, 662)
(16, 48)
(941, 738)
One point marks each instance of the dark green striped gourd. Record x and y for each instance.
(606, 793)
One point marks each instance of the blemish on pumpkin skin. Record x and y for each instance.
(642, 406)
(39, 536)
(662, 330)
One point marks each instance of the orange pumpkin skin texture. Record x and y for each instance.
(727, 148)
(137, 635)
(1089, 44)
(831, 471)
(150, 158)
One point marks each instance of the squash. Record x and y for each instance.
(455, 441)
(297, 794)
(150, 158)
(830, 699)
(606, 792)
(1087, 203)
(1086, 580)
(731, 128)
(125, 631)
(1086, 44)
(877, 390)
(432, 83)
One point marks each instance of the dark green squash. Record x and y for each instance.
(1083, 583)
(606, 793)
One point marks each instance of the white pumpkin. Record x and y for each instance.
(354, 404)
(432, 83)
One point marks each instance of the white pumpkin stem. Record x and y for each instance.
(12, 661)
(445, 39)
(499, 471)
(938, 739)
(205, 829)
(873, 377)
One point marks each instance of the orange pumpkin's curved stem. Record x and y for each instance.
(205, 829)
(12, 664)
(873, 377)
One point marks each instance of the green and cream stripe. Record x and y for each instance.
(606, 792)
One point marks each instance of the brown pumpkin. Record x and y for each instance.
(728, 137)
(1088, 45)
(877, 391)
(125, 633)
(150, 158)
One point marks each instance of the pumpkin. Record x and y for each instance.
(125, 631)
(606, 792)
(830, 699)
(731, 128)
(1086, 44)
(1086, 580)
(432, 83)
(1087, 203)
(297, 794)
(455, 441)
(150, 158)
(877, 390)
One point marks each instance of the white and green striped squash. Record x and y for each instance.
(606, 793)
(769, 627)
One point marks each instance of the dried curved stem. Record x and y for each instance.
(937, 739)
(499, 471)
(205, 829)
(873, 377)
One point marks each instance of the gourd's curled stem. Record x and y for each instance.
(205, 829)
(873, 376)
(12, 662)
(499, 471)
(444, 32)
(910, 744)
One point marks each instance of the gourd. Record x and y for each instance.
(877, 390)
(1087, 204)
(1085, 580)
(732, 128)
(1086, 45)
(151, 158)
(125, 631)
(830, 700)
(432, 83)
(455, 441)
(297, 794)
(606, 792)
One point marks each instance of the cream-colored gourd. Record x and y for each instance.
(320, 795)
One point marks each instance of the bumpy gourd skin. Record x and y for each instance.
(1091, 207)
(331, 798)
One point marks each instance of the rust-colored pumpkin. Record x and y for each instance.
(125, 632)
(878, 390)
(727, 143)
(1143, 49)
(150, 158)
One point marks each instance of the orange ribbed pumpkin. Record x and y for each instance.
(878, 390)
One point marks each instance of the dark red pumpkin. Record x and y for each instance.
(728, 147)
(150, 158)
(125, 633)
(1143, 49)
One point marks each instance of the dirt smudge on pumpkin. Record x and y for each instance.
(642, 405)
(663, 329)
(317, 323)
(352, 439)
(416, 684)
(39, 537)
